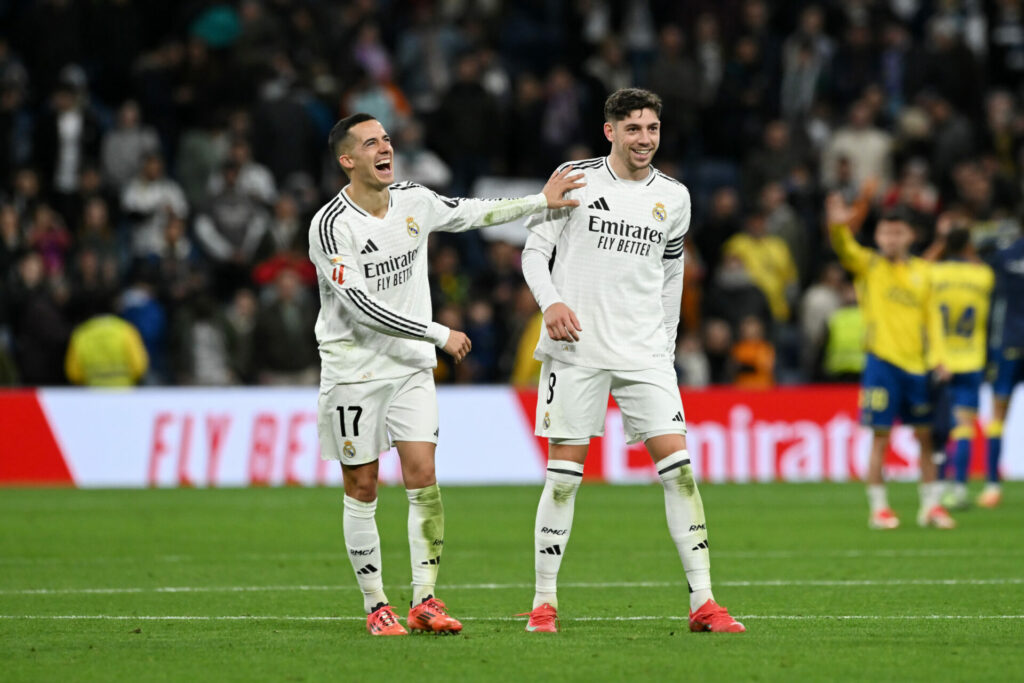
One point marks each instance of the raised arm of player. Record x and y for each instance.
(340, 270)
(459, 215)
(840, 219)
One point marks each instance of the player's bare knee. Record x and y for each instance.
(663, 445)
(419, 478)
(573, 452)
(361, 482)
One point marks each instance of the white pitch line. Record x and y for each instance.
(766, 583)
(267, 617)
(329, 556)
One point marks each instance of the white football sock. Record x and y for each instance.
(554, 522)
(363, 544)
(878, 499)
(930, 494)
(685, 513)
(426, 539)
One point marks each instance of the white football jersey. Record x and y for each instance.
(375, 312)
(615, 258)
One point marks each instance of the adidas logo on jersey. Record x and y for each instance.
(369, 248)
(368, 569)
(600, 204)
(552, 550)
(678, 418)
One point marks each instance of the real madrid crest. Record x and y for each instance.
(412, 227)
(349, 450)
(659, 212)
(547, 420)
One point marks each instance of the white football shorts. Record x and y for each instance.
(572, 401)
(358, 422)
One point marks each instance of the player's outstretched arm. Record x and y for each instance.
(459, 215)
(340, 269)
(839, 217)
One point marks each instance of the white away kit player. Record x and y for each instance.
(609, 278)
(376, 339)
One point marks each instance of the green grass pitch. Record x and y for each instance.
(254, 584)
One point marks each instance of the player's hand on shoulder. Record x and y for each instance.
(559, 184)
(458, 345)
(561, 323)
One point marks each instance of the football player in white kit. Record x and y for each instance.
(376, 339)
(609, 279)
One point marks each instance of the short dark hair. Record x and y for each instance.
(957, 241)
(899, 214)
(622, 102)
(342, 127)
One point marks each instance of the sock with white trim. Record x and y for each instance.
(685, 513)
(878, 499)
(363, 544)
(426, 539)
(554, 522)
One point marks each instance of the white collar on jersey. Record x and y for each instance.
(355, 207)
(651, 175)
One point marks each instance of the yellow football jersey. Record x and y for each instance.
(896, 300)
(961, 294)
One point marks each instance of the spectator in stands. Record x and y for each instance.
(844, 355)
(867, 149)
(416, 163)
(48, 236)
(286, 231)
(254, 179)
(471, 125)
(817, 305)
(230, 231)
(733, 295)
(125, 148)
(284, 351)
(723, 221)
(67, 135)
(676, 76)
(718, 349)
(241, 317)
(106, 351)
(753, 356)
(782, 221)
(769, 262)
(772, 162)
(12, 241)
(692, 366)
(148, 202)
(203, 345)
(952, 138)
(39, 327)
(16, 121)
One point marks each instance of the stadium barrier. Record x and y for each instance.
(267, 437)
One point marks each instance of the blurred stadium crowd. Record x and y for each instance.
(160, 160)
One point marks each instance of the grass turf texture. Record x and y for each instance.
(777, 551)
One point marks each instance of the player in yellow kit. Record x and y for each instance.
(895, 292)
(962, 289)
